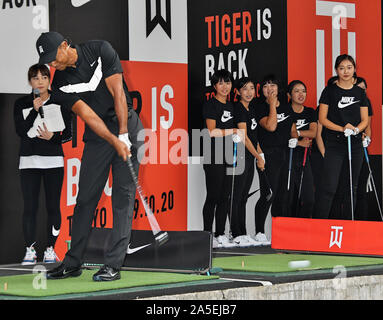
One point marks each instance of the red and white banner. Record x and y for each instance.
(332, 236)
(318, 31)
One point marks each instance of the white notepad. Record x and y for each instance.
(52, 118)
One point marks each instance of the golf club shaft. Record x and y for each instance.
(349, 161)
(152, 220)
(373, 182)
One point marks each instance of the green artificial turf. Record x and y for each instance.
(274, 263)
(32, 285)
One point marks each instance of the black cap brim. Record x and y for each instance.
(48, 57)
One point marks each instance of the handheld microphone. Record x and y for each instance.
(36, 92)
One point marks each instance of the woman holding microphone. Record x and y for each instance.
(41, 158)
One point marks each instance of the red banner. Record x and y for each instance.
(330, 236)
(319, 31)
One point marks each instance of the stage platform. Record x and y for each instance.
(213, 287)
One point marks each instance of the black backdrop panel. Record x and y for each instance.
(97, 19)
(250, 38)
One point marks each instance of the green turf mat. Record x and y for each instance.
(280, 262)
(25, 285)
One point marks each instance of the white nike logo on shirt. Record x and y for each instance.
(226, 116)
(346, 101)
(131, 251)
(91, 65)
(281, 117)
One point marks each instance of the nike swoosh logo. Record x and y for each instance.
(225, 119)
(344, 105)
(92, 64)
(282, 119)
(79, 3)
(131, 251)
(301, 125)
(55, 232)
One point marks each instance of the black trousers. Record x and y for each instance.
(242, 184)
(291, 205)
(275, 160)
(336, 156)
(30, 185)
(217, 203)
(98, 156)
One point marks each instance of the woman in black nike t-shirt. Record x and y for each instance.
(274, 120)
(244, 119)
(302, 181)
(343, 112)
(41, 158)
(219, 120)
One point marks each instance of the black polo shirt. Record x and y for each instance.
(97, 60)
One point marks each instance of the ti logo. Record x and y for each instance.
(152, 22)
(336, 236)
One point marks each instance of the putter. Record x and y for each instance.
(349, 162)
(160, 236)
(373, 182)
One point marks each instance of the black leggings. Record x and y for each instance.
(242, 184)
(336, 156)
(271, 176)
(218, 188)
(290, 205)
(30, 186)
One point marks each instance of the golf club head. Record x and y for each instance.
(161, 238)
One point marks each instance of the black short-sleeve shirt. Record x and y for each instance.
(343, 105)
(241, 114)
(302, 121)
(280, 137)
(97, 60)
(223, 114)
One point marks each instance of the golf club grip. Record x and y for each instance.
(235, 155)
(291, 157)
(366, 155)
(305, 157)
(152, 220)
(349, 147)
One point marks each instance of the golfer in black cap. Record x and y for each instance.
(92, 71)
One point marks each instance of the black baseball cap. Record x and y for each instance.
(47, 45)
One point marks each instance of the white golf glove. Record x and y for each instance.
(366, 141)
(125, 138)
(348, 132)
(236, 138)
(355, 131)
(293, 142)
(263, 157)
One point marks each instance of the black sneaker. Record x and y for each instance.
(107, 274)
(62, 272)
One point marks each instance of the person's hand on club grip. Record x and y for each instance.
(122, 149)
(125, 138)
(293, 142)
(366, 141)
